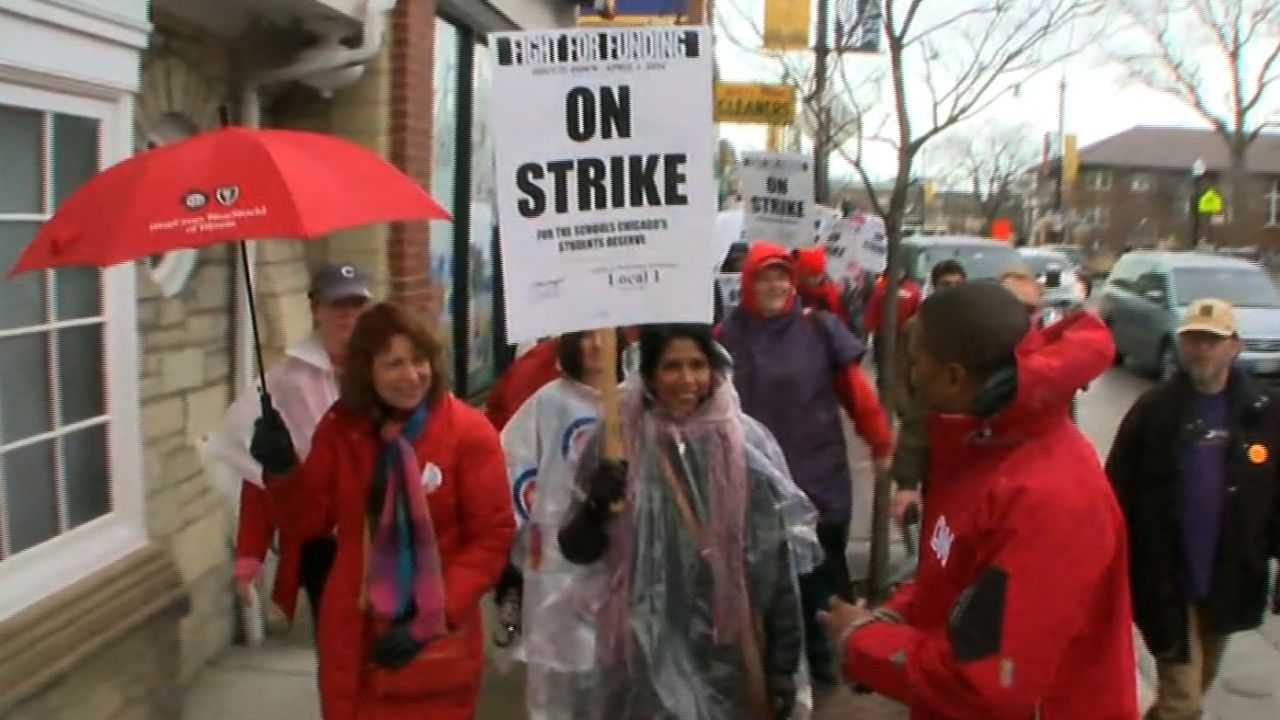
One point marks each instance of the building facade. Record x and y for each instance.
(115, 538)
(1137, 189)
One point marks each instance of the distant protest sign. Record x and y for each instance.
(606, 190)
(729, 285)
(777, 198)
(855, 246)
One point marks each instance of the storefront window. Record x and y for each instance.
(464, 253)
(444, 161)
(481, 319)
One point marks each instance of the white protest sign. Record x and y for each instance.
(729, 285)
(605, 163)
(777, 197)
(856, 245)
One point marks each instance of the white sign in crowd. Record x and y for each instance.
(606, 190)
(777, 198)
(855, 245)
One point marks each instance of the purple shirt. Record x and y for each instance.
(1204, 464)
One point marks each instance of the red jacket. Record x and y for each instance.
(825, 296)
(521, 380)
(474, 525)
(909, 299)
(1022, 597)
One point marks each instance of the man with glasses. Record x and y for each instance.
(1194, 467)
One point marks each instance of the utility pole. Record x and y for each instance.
(1062, 161)
(820, 107)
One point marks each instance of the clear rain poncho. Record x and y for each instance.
(542, 443)
(690, 633)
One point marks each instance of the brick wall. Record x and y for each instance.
(1157, 215)
(412, 63)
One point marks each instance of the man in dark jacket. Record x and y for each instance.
(1194, 468)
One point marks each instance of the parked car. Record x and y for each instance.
(1147, 293)
(982, 259)
(1063, 288)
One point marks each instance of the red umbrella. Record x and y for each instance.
(226, 185)
(229, 184)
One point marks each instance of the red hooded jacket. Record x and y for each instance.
(474, 524)
(856, 394)
(812, 263)
(1022, 599)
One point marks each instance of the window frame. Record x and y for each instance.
(50, 567)
(1100, 180)
(1141, 183)
(1272, 200)
(1097, 216)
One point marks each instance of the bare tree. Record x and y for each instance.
(990, 162)
(943, 62)
(1218, 57)
(949, 61)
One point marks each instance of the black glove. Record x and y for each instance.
(395, 648)
(782, 698)
(272, 445)
(608, 485)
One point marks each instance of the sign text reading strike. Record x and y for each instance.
(601, 183)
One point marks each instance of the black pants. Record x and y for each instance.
(314, 566)
(816, 590)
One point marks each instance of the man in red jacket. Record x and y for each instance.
(1021, 606)
(909, 298)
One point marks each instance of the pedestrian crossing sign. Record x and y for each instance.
(1211, 202)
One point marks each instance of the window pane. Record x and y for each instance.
(444, 157)
(20, 145)
(22, 299)
(24, 387)
(79, 292)
(81, 359)
(75, 154)
(88, 490)
(481, 362)
(31, 511)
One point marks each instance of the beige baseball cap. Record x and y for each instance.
(1210, 315)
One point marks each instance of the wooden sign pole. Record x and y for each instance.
(608, 337)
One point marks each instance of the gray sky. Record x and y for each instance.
(1099, 103)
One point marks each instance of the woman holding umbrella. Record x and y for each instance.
(414, 481)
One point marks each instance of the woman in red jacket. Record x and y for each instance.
(415, 483)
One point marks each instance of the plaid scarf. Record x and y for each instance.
(404, 574)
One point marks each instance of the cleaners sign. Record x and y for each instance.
(606, 192)
(777, 198)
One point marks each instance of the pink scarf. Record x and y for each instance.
(404, 570)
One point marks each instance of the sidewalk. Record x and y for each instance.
(277, 682)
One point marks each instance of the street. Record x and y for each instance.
(278, 681)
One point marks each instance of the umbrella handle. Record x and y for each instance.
(253, 320)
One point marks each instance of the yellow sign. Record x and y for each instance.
(1211, 202)
(786, 24)
(1070, 160)
(755, 103)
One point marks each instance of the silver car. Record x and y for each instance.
(1063, 289)
(1147, 293)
